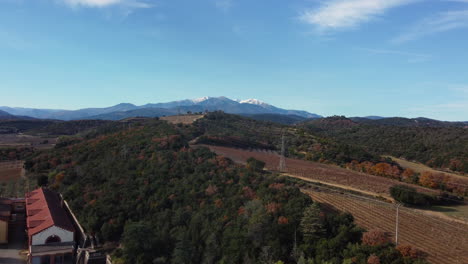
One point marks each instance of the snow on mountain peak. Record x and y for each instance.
(201, 99)
(253, 101)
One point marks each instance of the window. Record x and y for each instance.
(58, 259)
(45, 259)
(36, 260)
(53, 239)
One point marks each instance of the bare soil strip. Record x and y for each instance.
(181, 119)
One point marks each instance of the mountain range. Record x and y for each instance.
(126, 110)
(7, 116)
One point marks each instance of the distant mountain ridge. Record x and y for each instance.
(342, 122)
(126, 110)
(7, 116)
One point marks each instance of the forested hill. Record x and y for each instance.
(153, 199)
(218, 128)
(439, 145)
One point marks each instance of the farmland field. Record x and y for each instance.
(445, 242)
(12, 180)
(21, 140)
(11, 170)
(318, 172)
(181, 119)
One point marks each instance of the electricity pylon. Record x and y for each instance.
(282, 163)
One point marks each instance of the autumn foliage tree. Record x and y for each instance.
(410, 251)
(375, 237)
(431, 180)
(408, 175)
(373, 259)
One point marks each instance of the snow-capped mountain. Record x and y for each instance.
(246, 107)
(254, 102)
(201, 99)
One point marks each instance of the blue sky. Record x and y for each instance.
(351, 57)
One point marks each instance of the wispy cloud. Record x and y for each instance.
(411, 57)
(455, 109)
(439, 23)
(107, 3)
(223, 5)
(339, 14)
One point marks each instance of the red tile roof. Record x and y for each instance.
(44, 210)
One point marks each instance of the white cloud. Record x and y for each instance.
(439, 23)
(337, 14)
(107, 3)
(92, 3)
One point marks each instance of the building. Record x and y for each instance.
(5, 214)
(50, 231)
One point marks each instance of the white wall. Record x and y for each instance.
(40, 238)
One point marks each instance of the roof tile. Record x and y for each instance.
(44, 210)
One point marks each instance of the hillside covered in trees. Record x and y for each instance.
(305, 143)
(218, 128)
(437, 144)
(153, 199)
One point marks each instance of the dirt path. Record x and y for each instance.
(344, 187)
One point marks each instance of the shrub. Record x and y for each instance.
(408, 195)
(255, 165)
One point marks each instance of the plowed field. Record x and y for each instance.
(445, 242)
(10, 170)
(319, 172)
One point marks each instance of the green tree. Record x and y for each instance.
(311, 224)
(255, 165)
(138, 240)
